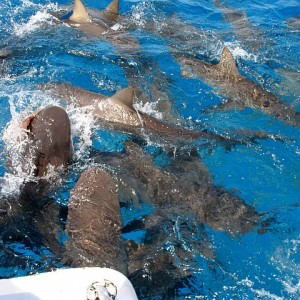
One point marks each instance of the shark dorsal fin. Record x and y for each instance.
(80, 14)
(112, 10)
(125, 96)
(227, 63)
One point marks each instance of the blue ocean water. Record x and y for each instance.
(265, 175)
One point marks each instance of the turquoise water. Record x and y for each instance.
(265, 175)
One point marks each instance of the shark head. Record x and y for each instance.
(273, 105)
(50, 133)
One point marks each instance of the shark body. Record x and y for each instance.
(186, 186)
(294, 23)
(119, 111)
(240, 91)
(94, 223)
(182, 190)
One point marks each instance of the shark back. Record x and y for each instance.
(80, 14)
(80, 18)
(94, 223)
(119, 109)
(124, 98)
(227, 64)
(112, 10)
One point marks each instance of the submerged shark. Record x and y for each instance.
(245, 31)
(4, 53)
(240, 91)
(294, 23)
(185, 186)
(180, 193)
(94, 233)
(183, 189)
(177, 33)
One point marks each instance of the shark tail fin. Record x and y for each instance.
(227, 63)
(80, 14)
(125, 96)
(112, 10)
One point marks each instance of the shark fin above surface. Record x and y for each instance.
(125, 96)
(112, 10)
(227, 63)
(80, 14)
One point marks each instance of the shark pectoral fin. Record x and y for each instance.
(125, 96)
(112, 10)
(227, 63)
(80, 14)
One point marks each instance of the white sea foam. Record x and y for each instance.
(34, 23)
(285, 261)
(149, 108)
(11, 184)
(238, 51)
(140, 12)
(266, 295)
(16, 141)
(261, 293)
(82, 126)
(21, 28)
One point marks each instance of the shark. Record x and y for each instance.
(47, 142)
(240, 91)
(49, 139)
(4, 53)
(81, 19)
(181, 193)
(294, 23)
(42, 142)
(93, 227)
(118, 112)
(250, 35)
(106, 24)
(184, 185)
(94, 223)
